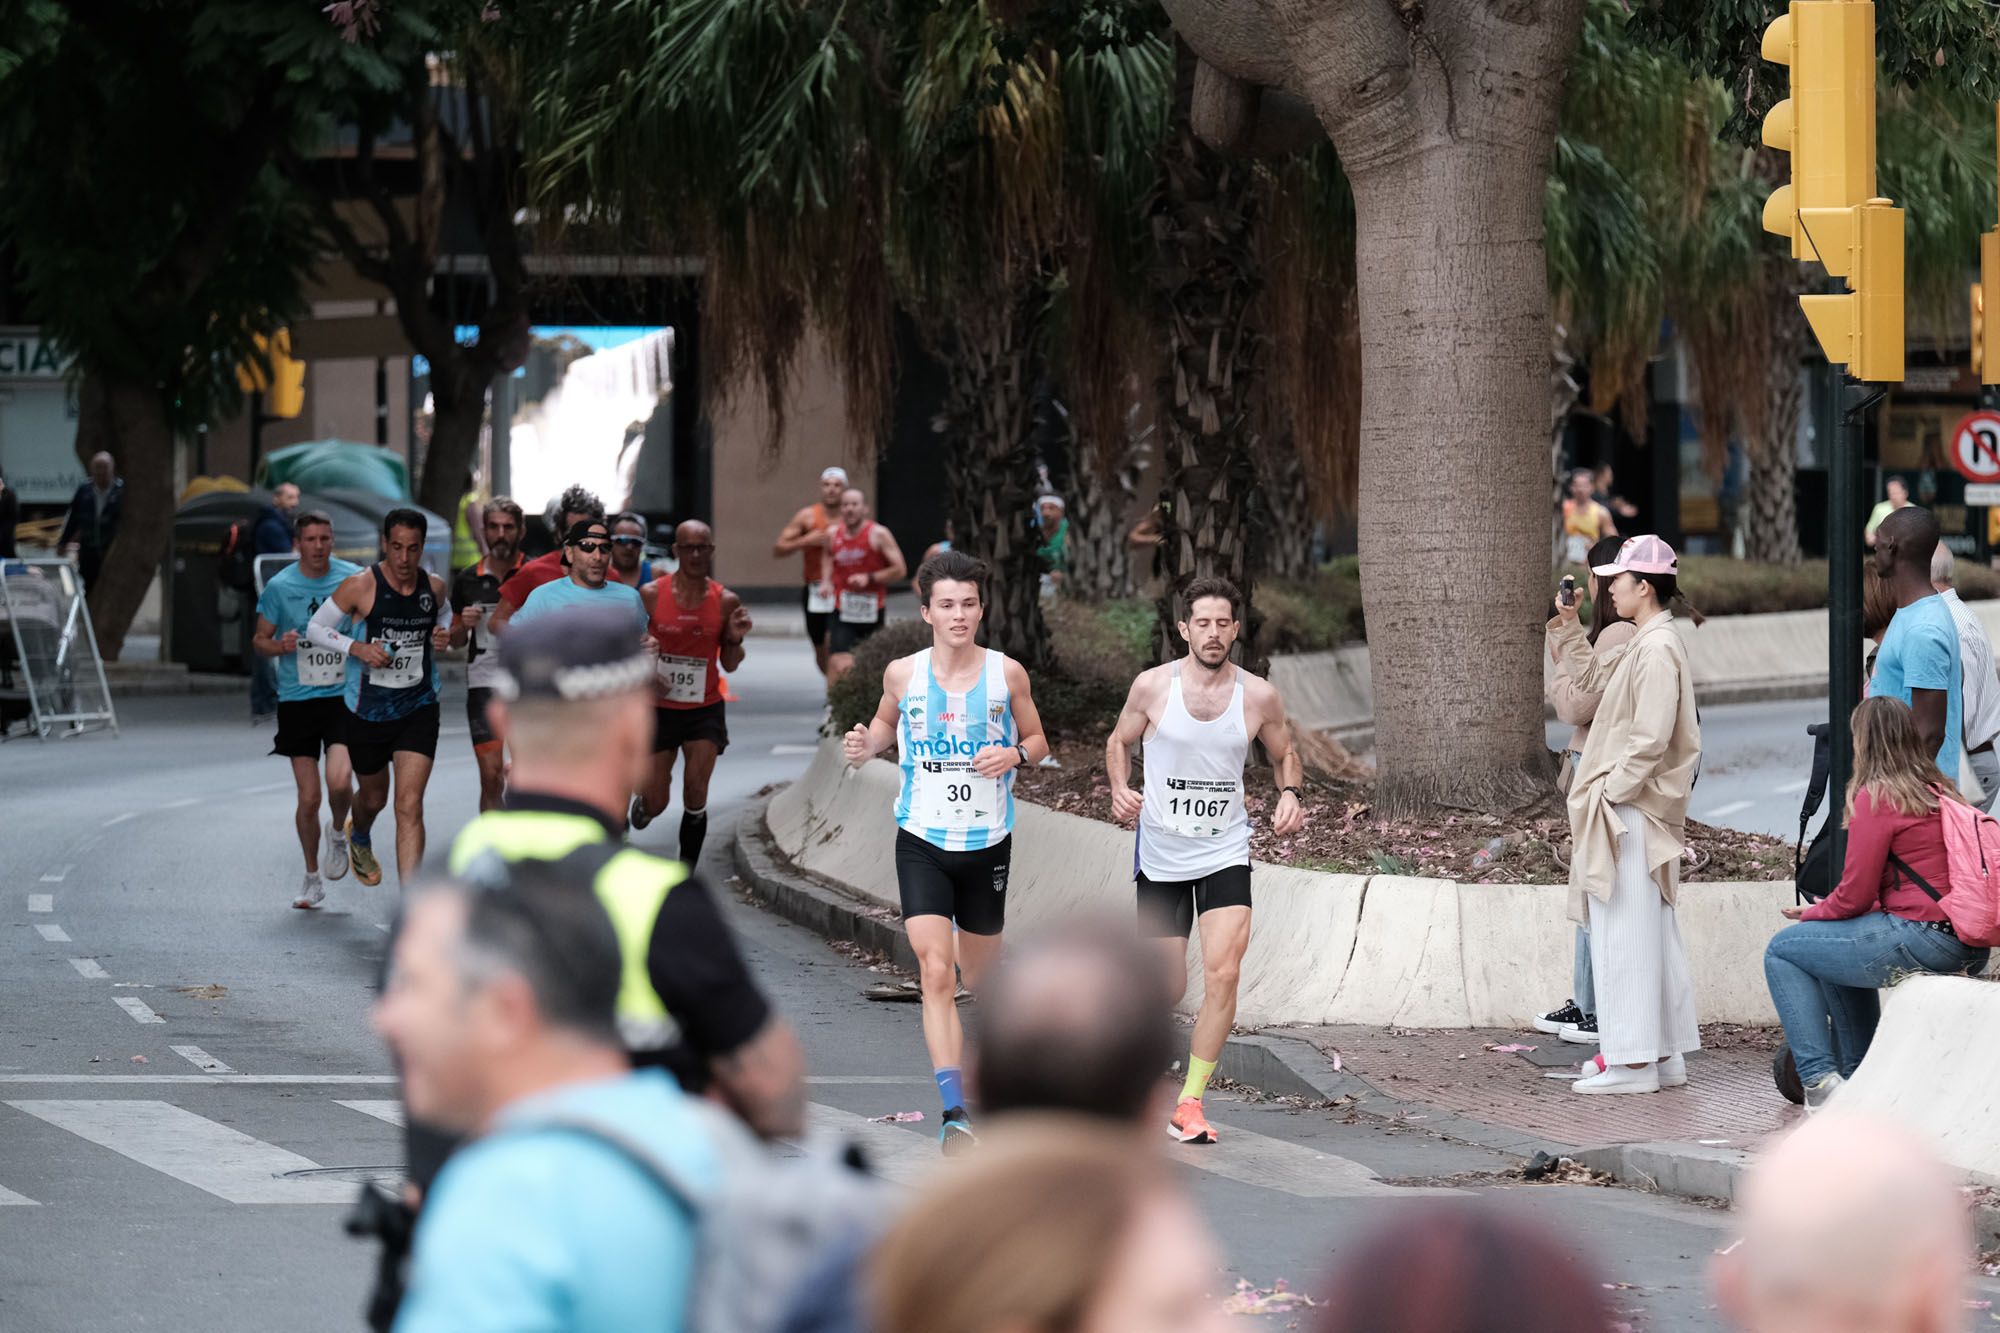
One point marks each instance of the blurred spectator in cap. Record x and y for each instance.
(1457, 1268)
(1053, 543)
(1850, 1225)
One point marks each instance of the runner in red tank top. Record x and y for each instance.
(697, 627)
(866, 560)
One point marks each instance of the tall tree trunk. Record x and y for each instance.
(1564, 392)
(1206, 276)
(1771, 527)
(987, 423)
(1285, 513)
(458, 400)
(127, 418)
(1100, 561)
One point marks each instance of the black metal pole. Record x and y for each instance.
(257, 420)
(1845, 551)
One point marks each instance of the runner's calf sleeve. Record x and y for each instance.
(694, 829)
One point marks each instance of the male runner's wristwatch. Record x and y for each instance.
(1022, 750)
(1293, 790)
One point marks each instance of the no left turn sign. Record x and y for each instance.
(1975, 447)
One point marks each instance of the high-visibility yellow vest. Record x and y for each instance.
(631, 885)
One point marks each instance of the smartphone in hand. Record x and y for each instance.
(1567, 592)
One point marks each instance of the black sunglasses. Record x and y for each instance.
(591, 547)
(629, 541)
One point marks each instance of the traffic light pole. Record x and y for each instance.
(1844, 552)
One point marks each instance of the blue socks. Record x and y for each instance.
(950, 1088)
(359, 837)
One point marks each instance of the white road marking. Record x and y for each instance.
(263, 787)
(9, 1198)
(89, 967)
(1255, 1159)
(41, 902)
(838, 1079)
(57, 875)
(192, 1149)
(53, 934)
(1793, 788)
(201, 1059)
(116, 820)
(182, 804)
(895, 1153)
(1725, 811)
(389, 1111)
(794, 749)
(138, 1080)
(136, 1007)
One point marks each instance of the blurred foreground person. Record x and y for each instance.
(1077, 1023)
(1850, 1225)
(1071, 1232)
(1454, 1268)
(500, 1010)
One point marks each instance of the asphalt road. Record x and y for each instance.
(146, 937)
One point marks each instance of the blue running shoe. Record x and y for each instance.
(955, 1136)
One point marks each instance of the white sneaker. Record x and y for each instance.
(1818, 1093)
(335, 860)
(311, 894)
(1617, 1079)
(1673, 1071)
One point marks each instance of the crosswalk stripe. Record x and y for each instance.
(89, 967)
(138, 1008)
(201, 1059)
(10, 1199)
(53, 934)
(41, 902)
(1250, 1158)
(389, 1111)
(192, 1149)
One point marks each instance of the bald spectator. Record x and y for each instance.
(1980, 724)
(1077, 1023)
(92, 524)
(1851, 1225)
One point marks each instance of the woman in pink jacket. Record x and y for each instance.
(1879, 925)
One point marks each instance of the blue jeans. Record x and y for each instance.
(1583, 984)
(1824, 974)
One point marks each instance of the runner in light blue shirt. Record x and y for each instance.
(587, 550)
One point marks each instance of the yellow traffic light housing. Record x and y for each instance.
(1985, 295)
(1861, 329)
(1827, 125)
(283, 384)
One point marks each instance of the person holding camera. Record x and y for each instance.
(1628, 820)
(1575, 1020)
(1884, 920)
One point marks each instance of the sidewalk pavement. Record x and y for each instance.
(1693, 1141)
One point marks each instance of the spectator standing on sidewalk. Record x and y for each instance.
(1628, 820)
(1979, 685)
(1576, 1019)
(273, 535)
(1898, 492)
(1585, 519)
(1919, 658)
(1067, 1231)
(1878, 925)
(92, 524)
(1849, 1225)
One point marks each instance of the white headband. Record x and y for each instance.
(834, 474)
(1055, 500)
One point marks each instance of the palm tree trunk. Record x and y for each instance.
(1100, 561)
(127, 418)
(1564, 392)
(1206, 275)
(1284, 531)
(987, 423)
(1771, 532)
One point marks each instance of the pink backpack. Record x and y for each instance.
(1972, 849)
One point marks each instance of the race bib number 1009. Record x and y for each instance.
(321, 667)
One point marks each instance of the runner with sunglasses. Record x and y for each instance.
(698, 628)
(629, 564)
(586, 558)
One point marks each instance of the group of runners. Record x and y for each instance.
(358, 686)
(358, 683)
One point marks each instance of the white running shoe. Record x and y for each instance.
(311, 893)
(335, 860)
(1673, 1071)
(1617, 1079)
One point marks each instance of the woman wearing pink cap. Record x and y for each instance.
(1628, 819)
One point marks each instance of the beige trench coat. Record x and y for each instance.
(1643, 751)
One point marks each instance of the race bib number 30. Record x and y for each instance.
(951, 796)
(320, 667)
(406, 660)
(1201, 807)
(683, 680)
(859, 608)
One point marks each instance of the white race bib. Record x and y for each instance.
(1576, 549)
(951, 796)
(819, 598)
(859, 608)
(482, 637)
(320, 667)
(683, 680)
(406, 660)
(1200, 807)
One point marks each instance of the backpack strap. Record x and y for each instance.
(670, 1180)
(1903, 868)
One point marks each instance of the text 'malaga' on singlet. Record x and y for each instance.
(943, 800)
(401, 624)
(1193, 822)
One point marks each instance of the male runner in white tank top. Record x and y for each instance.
(962, 721)
(1196, 717)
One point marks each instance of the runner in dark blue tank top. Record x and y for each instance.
(392, 687)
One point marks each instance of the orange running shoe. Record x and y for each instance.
(1189, 1125)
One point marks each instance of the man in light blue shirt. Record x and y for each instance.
(1919, 658)
(499, 1008)
(587, 558)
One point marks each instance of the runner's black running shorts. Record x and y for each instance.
(967, 887)
(308, 726)
(371, 743)
(1167, 908)
(675, 727)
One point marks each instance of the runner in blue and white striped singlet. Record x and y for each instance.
(943, 800)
